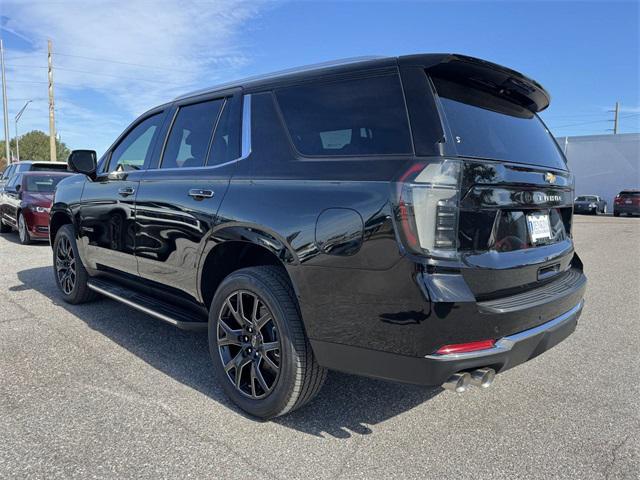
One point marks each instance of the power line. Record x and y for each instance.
(95, 59)
(594, 121)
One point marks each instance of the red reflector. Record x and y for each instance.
(466, 347)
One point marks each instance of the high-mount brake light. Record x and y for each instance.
(427, 207)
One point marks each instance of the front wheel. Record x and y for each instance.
(23, 231)
(260, 352)
(70, 275)
(4, 228)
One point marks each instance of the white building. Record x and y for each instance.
(603, 164)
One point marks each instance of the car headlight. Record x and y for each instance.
(592, 205)
(38, 209)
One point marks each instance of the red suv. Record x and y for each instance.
(627, 201)
(25, 202)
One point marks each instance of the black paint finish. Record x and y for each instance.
(330, 222)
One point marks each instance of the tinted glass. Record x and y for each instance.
(41, 183)
(132, 152)
(630, 194)
(226, 140)
(190, 135)
(353, 117)
(8, 172)
(587, 199)
(15, 180)
(22, 167)
(39, 167)
(486, 126)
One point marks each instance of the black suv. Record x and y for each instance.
(404, 218)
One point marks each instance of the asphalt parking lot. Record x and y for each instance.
(102, 391)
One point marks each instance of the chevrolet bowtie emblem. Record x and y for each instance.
(550, 177)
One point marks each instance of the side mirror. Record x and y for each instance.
(83, 161)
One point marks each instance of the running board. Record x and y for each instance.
(167, 312)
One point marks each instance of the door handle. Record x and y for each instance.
(199, 193)
(126, 191)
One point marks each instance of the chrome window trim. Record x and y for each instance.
(245, 133)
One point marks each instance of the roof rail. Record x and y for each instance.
(267, 76)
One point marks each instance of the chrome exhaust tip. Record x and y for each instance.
(483, 377)
(458, 382)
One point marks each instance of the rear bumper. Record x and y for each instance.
(508, 352)
(627, 209)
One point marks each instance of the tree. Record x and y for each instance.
(34, 145)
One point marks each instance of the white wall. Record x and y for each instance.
(603, 164)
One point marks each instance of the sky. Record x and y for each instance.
(115, 59)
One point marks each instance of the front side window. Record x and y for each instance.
(365, 116)
(8, 172)
(134, 149)
(190, 137)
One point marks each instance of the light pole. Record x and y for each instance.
(18, 118)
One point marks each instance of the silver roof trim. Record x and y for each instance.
(288, 71)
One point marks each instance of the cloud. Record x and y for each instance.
(115, 59)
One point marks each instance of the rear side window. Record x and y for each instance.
(190, 137)
(364, 116)
(42, 183)
(487, 126)
(226, 139)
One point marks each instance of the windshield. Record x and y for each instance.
(486, 126)
(41, 183)
(586, 199)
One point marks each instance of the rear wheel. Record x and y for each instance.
(23, 232)
(616, 214)
(260, 352)
(70, 275)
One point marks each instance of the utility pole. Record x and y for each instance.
(18, 118)
(615, 118)
(4, 105)
(52, 119)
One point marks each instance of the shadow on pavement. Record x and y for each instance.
(347, 404)
(12, 237)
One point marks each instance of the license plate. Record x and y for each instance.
(539, 226)
(628, 201)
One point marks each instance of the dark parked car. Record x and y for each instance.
(29, 166)
(627, 201)
(403, 218)
(25, 202)
(591, 204)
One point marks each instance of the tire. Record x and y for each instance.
(23, 231)
(616, 214)
(239, 338)
(4, 228)
(70, 275)
(595, 211)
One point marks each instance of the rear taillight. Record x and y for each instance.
(426, 211)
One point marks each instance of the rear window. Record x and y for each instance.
(586, 199)
(365, 116)
(41, 183)
(630, 194)
(43, 167)
(486, 126)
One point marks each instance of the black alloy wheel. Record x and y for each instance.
(65, 266)
(248, 344)
(261, 354)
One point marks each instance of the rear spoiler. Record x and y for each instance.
(477, 73)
